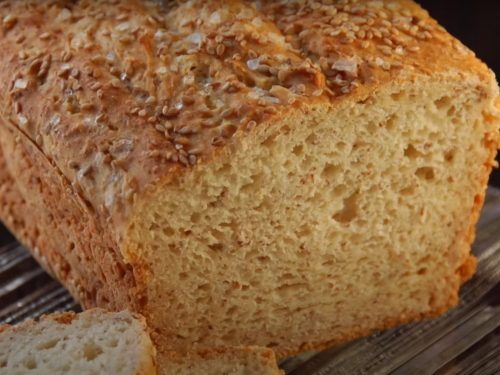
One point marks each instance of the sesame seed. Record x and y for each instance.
(86, 106)
(385, 50)
(253, 64)
(150, 100)
(95, 86)
(101, 117)
(188, 129)
(227, 113)
(399, 50)
(184, 160)
(388, 41)
(182, 141)
(196, 151)
(9, 21)
(21, 84)
(122, 17)
(142, 113)
(73, 164)
(218, 141)
(44, 36)
(23, 120)
(317, 92)
(220, 49)
(300, 89)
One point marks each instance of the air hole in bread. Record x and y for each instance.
(412, 153)
(195, 217)
(204, 287)
(216, 247)
(270, 140)
(449, 156)
(298, 150)
(341, 146)
(443, 102)
(398, 96)
(349, 210)
(339, 190)
(390, 122)
(47, 344)
(312, 139)
(168, 231)
(330, 171)
(422, 271)
(30, 363)
(425, 173)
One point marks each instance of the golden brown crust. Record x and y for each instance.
(73, 245)
(492, 143)
(369, 42)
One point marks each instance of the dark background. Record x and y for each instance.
(477, 25)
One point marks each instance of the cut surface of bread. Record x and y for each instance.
(90, 343)
(289, 174)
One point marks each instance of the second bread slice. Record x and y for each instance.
(93, 342)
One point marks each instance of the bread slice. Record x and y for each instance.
(290, 174)
(250, 360)
(93, 342)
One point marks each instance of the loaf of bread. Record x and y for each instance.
(93, 342)
(290, 174)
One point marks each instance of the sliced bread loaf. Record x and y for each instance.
(290, 174)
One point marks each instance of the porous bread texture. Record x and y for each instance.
(229, 361)
(327, 225)
(92, 342)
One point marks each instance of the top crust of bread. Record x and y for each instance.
(264, 59)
